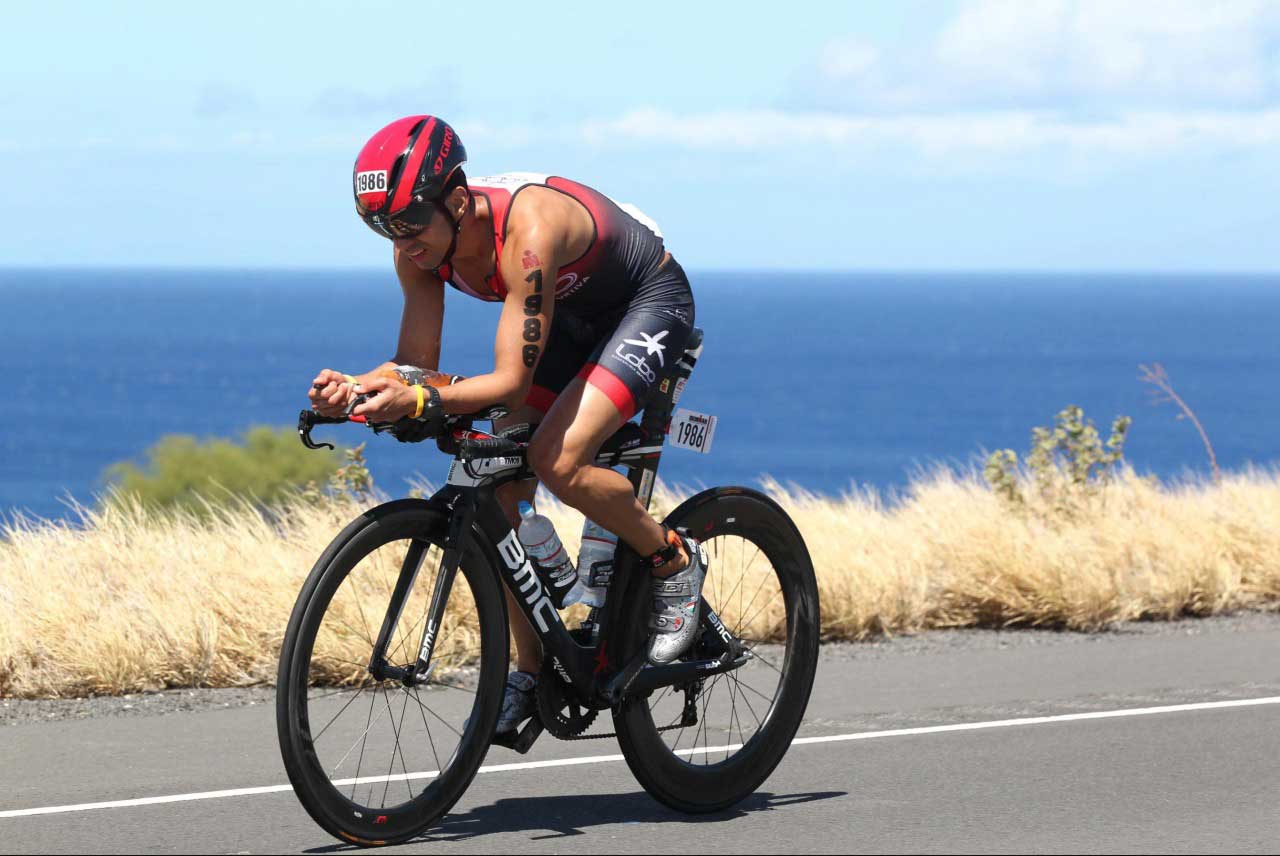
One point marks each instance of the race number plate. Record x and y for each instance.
(690, 430)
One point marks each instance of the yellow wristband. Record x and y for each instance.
(418, 411)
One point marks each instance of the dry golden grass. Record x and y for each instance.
(129, 600)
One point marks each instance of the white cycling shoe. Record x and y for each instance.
(676, 602)
(518, 702)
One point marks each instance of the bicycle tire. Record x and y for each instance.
(680, 784)
(328, 806)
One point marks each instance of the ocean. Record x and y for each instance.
(829, 381)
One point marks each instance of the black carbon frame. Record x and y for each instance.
(475, 510)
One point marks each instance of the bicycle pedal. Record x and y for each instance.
(522, 740)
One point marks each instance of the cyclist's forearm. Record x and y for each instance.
(481, 392)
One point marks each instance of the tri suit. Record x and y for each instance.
(623, 309)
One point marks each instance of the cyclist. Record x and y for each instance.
(594, 314)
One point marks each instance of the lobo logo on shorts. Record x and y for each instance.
(637, 364)
(372, 181)
(652, 345)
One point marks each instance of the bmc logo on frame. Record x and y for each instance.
(527, 581)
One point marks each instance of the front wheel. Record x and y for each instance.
(377, 761)
(705, 746)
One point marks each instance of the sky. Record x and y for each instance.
(1038, 135)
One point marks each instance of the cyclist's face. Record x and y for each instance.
(427, 248)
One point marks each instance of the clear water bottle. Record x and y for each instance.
(549, 556)
(595, 562)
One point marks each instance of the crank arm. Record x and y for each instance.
(520, 741)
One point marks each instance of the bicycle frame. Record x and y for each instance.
(472, 508)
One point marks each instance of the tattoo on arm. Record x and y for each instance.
(530, 260)
(532, 309)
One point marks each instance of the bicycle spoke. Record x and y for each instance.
(733, 716)
(436, 715)
(340, 660)
(769, 699)
(750, 604)
(702, 724)
(425, 725)
(354, 632)
(368, 634)
(747, 701)
(395, 750)
(680, 735)
(363, 738)
(736, 586)
(331, 693)
(772, 598)
(358, 693)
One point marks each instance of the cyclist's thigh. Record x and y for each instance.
(637, 355)
(615, 381)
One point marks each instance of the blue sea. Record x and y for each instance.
(826, 380)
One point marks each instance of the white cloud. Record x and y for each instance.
(1068, 53)
(847, 58)
(1131, 133)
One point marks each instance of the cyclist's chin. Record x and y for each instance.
(426, 259)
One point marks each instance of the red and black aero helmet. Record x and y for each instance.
(402, 172)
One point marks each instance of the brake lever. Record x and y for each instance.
(307, 420)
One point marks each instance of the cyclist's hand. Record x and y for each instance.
(389, 400)
(330, 393)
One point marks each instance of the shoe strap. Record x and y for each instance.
(658, 558)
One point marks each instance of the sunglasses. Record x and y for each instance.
(409, 223)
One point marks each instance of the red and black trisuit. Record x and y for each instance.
(623, 309)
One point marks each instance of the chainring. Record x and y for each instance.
(561, 712)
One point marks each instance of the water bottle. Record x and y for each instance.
(595, 562)
(549, 556)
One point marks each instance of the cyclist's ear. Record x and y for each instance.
(457, 201)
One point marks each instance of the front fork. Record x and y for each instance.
(420, 671)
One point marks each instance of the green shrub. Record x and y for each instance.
(1066, 466)
(185, 473)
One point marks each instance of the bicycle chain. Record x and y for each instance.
(615, 734)
(688, 717)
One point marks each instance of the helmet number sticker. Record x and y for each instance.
(372, 181)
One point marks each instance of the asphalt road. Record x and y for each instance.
(1190, 774)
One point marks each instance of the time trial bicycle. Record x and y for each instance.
(393, 666)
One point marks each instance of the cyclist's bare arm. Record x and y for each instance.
(422, 318)
(528, 266)
(419, 343)
(544, 229)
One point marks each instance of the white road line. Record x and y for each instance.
(601, 759)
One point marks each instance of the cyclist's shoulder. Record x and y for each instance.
(545, 211)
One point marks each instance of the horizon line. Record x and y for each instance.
(755, 271)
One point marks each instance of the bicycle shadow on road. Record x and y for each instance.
(570, 815)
